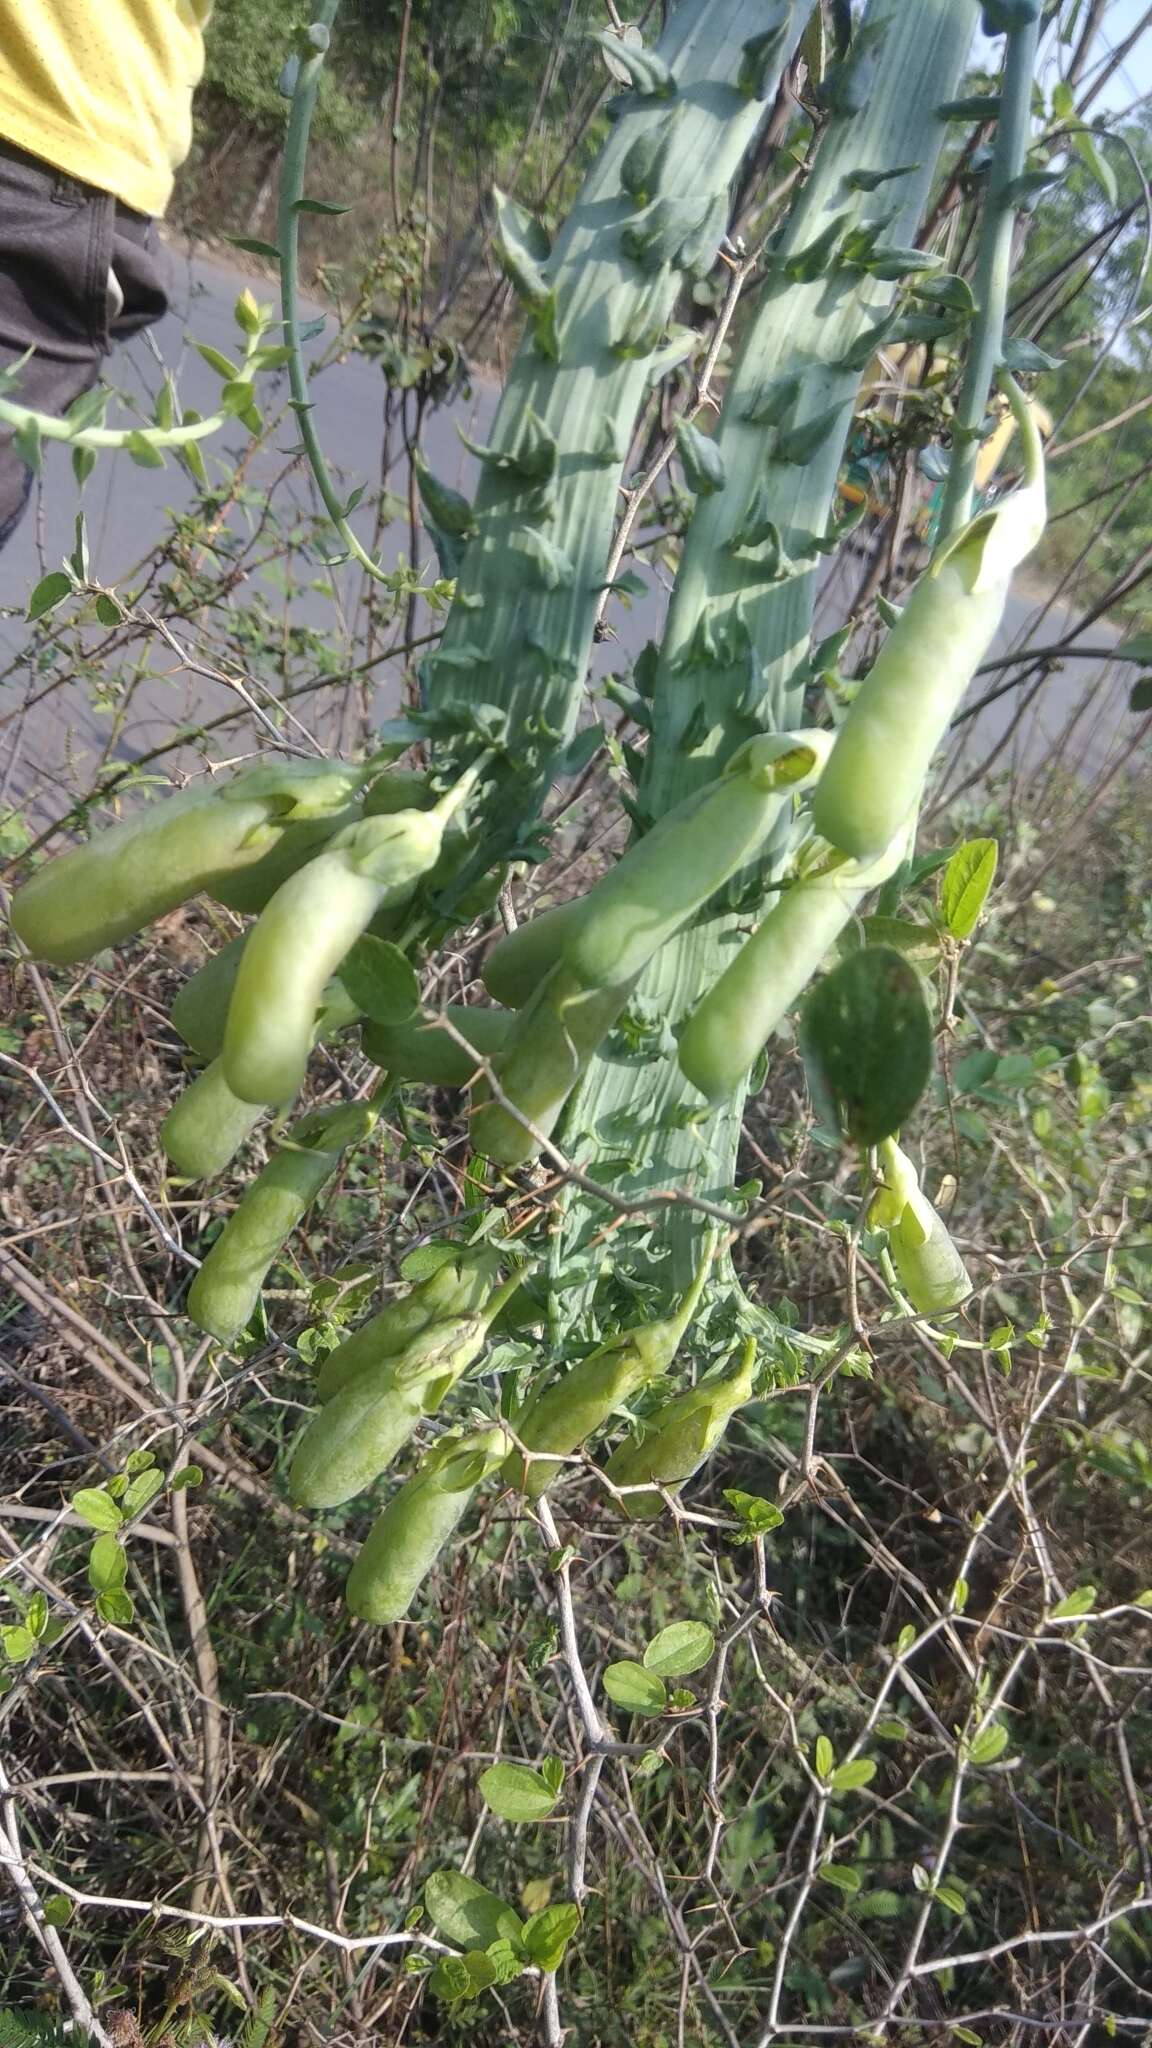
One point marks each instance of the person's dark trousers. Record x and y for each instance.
(68, 256)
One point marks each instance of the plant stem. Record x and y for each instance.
(993, 275)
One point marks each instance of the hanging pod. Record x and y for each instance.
(906, 703)
(930, 1269)
(564, 1414)
(458, 1287)
(405, 1541)
(227, 1287)
(206, 1125)
(666, 877)
(680, 1436)
(356, 1435)
(427, 1052)
(733, 1022)
(126, 876)
(517, 964)
(546, 1050)
(300, 939)
(200, 1009)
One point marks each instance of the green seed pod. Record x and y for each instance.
(564, 1414)
(206, 1125)
(459, 1287)
(251, 888)
(405, 1541)
(426, 1052)
(517, 964)
(125, 877)
(931, 1271)
(729, 1028)
(543, 1056)
(904, 707)
(300, 940)
(227, 1287)
(200, 1010)
(667, 876)
(680, 1436)
(358, 1432)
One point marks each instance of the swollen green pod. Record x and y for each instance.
(130, 874)
(206, 1125)
(564, 1414)
(680, 1436)
(200, 1010)
(358, 1432)
(733, 1022)
(518, 963)
(427, 1052)
(905, 705)
(227, 1287)
(405, 1541)
(930, 1269)
(543, 1056)
(666, 877)
(301, 938)
(459, 1287)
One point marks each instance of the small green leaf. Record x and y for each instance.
(949, 1896)
(905, 1639)
(96, 1507)
(991, 1743)
(757, 1516)
(115, 1607)
(640, 1691)
(965, 884)
(467, 1913)
(188, 1475)
(516, 1793)
(107, 1564)
(319, 206)
(547, 1934)
(36, 1615)
(677, 1650)
(57, 1909)
(851, 1777)
(1082, 1601)
(144, 1488)
(824, 1757)
(49, 592)
(1140, 696)
(18, 1643)
(253, 246)
(381, 980)
(552, 1772)
(866, 1036)
(107, 610)
(844, 1878)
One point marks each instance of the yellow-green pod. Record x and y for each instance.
(915, 687)
(543, 1056)
(680, 1436)
(206, 1125)
(459, 1286)
(931, 1272)
(358, 1432)
(734, 1020)
(200, 1010)
(405, 1541)
(566, 1412)
(518, 963)
(427, 1052)
(299, 941)
(666, 877)
(125, 877)
(227, 1287)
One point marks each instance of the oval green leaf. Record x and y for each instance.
(683, 1647)
(966, 881)
(867, 1042)
(517, 1793)
(381, 981)
(467, 1913)
(640, 1691)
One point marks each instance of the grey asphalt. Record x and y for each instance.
(44, 749)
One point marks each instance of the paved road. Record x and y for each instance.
(126, 507)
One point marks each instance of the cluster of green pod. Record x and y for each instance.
(319, 852)
(397, 1368)
(573, 969)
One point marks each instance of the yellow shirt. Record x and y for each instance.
(102, 89)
